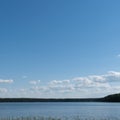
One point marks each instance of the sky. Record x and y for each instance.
(59, 48)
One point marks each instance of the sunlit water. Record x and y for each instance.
(61, 109)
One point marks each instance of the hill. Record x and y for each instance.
(112, 98)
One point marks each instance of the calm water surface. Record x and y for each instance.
(61, 109)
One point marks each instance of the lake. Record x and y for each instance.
(61, 109)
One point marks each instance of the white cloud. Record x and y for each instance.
(3, 90)
(22, 90)
(38, 88)
(59, 82)
(79, 85)
(60, 86)
(34, 82)
(112, 76)
(97, 78)
(6, 81)
(87, 86)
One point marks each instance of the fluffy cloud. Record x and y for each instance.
(86, 86)
(6, 81)
(34, 82)
(22, 90)
(77, 85)
(112, 76)
(60, 86)
(3, 90)
(59, 82)
(39, 88)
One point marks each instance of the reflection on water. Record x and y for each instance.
(62, 109)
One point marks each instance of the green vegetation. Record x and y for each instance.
(112, 98)
(50, 100)
(109, 98)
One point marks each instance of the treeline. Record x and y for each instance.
(112, 98)
(48, 100)
(109, 98)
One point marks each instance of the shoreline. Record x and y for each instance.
(51, 100)
(109, 98)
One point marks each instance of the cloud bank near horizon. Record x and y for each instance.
(87, 86)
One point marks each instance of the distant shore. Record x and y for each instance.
(109, 98)
(50, 99)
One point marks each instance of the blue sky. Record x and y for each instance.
(47, 46)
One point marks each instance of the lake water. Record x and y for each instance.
(61, 109)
